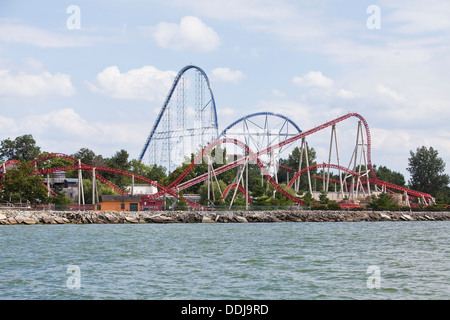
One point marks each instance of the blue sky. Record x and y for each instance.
(100, 86)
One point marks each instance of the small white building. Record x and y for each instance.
(138, 189)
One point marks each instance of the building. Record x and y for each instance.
(68, 186)
(119, 203)
(151, 204)
(142, 189)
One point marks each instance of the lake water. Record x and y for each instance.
(257, 261)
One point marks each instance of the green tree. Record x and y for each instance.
(119, 161)
(203, 191)
(308, 199)
(102, 190)
(60, 199)
(22, 148)
(324, 197)
(386, 174)
(383, 202)
(153, 172)
(293, 161)
(21, 184)
(86, 156)
(181, 204)
(427, 171)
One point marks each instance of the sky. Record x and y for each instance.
(95, 73)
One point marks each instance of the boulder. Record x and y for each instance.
(112, 218)
(11, 220)
(48, 219)
(131, 219)
(206, 219)
(25, 219)
(406, 217)
(159, 218)
(385, 216)
(60, 220)
(241, 219)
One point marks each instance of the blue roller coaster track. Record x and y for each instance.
(223, 133)
(168, 98)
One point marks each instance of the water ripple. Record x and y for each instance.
(227, 261)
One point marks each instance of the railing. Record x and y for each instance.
(80, 207)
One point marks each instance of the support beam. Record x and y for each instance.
(80, 185)
(48, 185)
(94, 185)
(246, 186)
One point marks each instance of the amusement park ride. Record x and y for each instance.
(187, 124)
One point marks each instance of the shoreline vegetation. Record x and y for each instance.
(14, 217)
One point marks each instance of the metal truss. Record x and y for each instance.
(186, 122)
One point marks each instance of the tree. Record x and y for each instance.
(324, 197)
(153, 172)
(102, 190)
(119, 161)
(385, 174)
(427, 171)
(293, 161)
(383, 202)
(86, 156)
(60, 199)
(22, 148)
(21, 184)
(203, 192)
(308, 199)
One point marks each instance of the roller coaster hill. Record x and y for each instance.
(188, 119)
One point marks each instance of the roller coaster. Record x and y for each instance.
(258, 138)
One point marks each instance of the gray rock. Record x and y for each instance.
(385, 216)
(406, 217)
(206, 219)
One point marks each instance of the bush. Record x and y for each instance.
(334, 206)
(383, 202)
(319, 207)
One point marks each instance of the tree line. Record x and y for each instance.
(426, 168)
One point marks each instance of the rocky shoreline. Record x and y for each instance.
(12, 217)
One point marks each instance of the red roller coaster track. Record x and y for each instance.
(177, 185)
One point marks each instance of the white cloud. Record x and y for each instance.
(35, 85)
(64, 121)
(66, 131)
(381, 89)
(346, 94)
(278, 93)
(34, 36)
(226, 75)
(313, 79)
(7, 126)
(191, 34)
(226, 111)
(239, 10)
(419, 17)
(146, 83)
